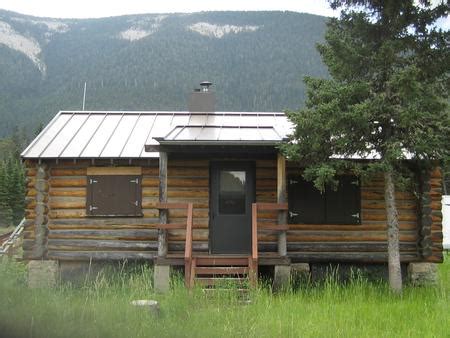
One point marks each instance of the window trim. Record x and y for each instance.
(93, 172)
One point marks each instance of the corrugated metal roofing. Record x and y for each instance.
(102, 134)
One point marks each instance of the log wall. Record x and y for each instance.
(73, 236)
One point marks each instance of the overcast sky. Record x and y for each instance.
(103, 8)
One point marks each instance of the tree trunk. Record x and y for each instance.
(395, 274)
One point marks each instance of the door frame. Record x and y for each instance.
(215, 166)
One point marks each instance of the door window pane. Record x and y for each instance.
(232, 192)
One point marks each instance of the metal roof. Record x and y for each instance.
(111, 134)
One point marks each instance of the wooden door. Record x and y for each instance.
(232, 192)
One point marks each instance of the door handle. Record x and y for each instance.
(356, 215)
(293, 214)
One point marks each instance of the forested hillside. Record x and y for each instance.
(257, 61)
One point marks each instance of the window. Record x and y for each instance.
(114, 192)
(232, 192)
(308, 206)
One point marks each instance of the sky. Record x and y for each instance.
(104, 8)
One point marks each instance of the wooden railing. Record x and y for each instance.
(184, 226)
(281, 207)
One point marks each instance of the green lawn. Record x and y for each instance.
(4, 230)
(101, 308)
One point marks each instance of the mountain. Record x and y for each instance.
(256, 60)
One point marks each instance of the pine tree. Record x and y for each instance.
(15, 186)
(387, 96)
(6, 217)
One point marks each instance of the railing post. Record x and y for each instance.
(253, 261)
(255, 231)
(281, 198)
(162, 233)
(188, 246)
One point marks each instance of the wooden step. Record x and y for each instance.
(221, 261)
(221, 270)
(221, 281)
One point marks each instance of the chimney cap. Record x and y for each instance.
(205, 84)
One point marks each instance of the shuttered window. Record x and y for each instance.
(308, 206)
(114, 195)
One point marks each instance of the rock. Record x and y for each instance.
(42, 274)
(151, 305)
(422, 274)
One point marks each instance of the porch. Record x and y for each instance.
(240, 255)
(209, 269)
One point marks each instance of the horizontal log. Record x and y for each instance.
(178, 192)
(372, 215)
(174, 182)
(272, 206)
(99, 245)
(436, 218)
(435, 182)
(29, 235)
(130, 234)
(348, 247)
(30, 214)
(196, 246)
(78, 164)
(76, 181)
(273, 227)
(171, 205)
(30, 192)
(178, 213)
(187, 182)
(347, 236)
(169, 226)
(375, 225)
(436, 205)
(69, 192)
(68, 172)
(435, 258)
(380, 205)
(30, 182)
(101, 226)
(30, 172)
(266, 173)
(27, 244)
(101, 255)
(379, 195)
(436, 173)
(266, 183)
(104, 221)
(68, 203)
(67, 213)
(188, 163)
(188, 172)
(112, 171)
(265, 163)
(357, 257)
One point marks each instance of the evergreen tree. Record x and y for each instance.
(5, 210)
(387, 96)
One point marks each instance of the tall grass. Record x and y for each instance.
(101, 308)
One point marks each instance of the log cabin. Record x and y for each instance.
(208, 191)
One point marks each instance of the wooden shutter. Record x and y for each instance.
(114, 195)
(308, 206)
(306, 203)
(343, 206)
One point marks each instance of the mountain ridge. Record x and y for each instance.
(257, 61)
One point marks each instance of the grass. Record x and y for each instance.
(101, 308)
(4, 230)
